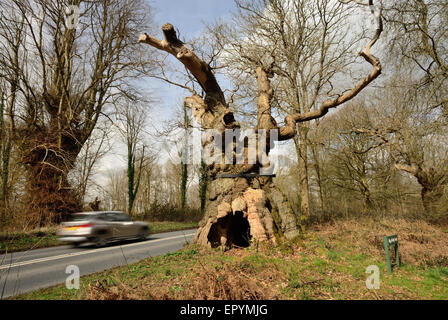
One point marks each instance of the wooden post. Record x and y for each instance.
(388, 241)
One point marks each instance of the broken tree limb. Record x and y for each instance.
(200, 70)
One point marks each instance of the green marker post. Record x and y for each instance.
(391, 241)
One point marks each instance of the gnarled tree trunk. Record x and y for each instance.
(242, 209)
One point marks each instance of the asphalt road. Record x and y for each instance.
(21, 272)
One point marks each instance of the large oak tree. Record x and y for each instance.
(241, 204)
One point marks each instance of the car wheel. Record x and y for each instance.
(100, 240)
(76, 244)
(144, 234)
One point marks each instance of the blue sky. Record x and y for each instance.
(189, 17)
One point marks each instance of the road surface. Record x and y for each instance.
(21, 272)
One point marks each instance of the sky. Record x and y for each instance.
(190, 18)
(189, 15)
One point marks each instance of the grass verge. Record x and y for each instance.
(330, 263)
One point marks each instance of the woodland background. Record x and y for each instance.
(70, 96)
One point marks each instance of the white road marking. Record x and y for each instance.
(68, 255)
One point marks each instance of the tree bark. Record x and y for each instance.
(430, 182)
(50, 196)
(203, 177)
(241, 210)
(4, 193)
(317, 169)
(184, 169)
(302, 155)
(5, 151)
(429, 200)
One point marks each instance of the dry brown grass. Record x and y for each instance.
(243, 277)
(204, 280)
(420, 243)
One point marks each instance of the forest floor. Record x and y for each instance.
(46, 237)
(329, 263)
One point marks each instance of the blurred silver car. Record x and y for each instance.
(101, 227)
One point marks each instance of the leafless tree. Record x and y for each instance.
(94, 150)
(131, 120)
(419, 34)
(355, 163)
(5, 153)
(61, 78)
(244, 201)
(415, 138)
(115, 191)
(307, 45)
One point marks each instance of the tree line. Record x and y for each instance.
(67, 94)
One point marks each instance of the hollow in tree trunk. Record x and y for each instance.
(240, 210)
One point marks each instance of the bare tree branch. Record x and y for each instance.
(289, 130)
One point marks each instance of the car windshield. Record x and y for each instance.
(118, 216)
(80, 217)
